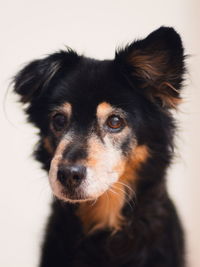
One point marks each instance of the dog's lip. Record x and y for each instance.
(79, 200)
(74, 198)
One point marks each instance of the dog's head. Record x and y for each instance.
(98, 120)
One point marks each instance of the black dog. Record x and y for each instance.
(106, 138)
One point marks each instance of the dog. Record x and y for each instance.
(106, 132)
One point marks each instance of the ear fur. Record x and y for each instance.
(32, 80)
(155, 66)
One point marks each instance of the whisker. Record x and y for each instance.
(93, 202)
(108, 198)
(128, 187)
(128, 200)
(113, 191)
(123, 191)
(133, 193)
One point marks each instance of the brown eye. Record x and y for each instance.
(59, 121)
(115, 123)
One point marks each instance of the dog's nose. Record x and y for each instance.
(71, 174)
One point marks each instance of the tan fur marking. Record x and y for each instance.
(165, 92)
(94, 148)
(55, 185)
(47, 145)
(137, 157)
(168, 100)
(66, 108)
(147, 66)
(103, 110)
(106, 211)
(152, 69)
(61, 147)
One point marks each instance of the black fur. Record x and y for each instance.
(152, 236)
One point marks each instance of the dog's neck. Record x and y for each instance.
(105, 212)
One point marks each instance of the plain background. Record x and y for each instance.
(31, 29)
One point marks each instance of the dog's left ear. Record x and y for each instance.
(155, 66)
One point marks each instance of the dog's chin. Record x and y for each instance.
(75, 197)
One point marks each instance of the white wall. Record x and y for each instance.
(30, 29)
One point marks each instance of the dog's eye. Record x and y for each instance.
(115, 123)
(59, 121)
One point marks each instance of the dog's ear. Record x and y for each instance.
(155, 66)
(34, 78)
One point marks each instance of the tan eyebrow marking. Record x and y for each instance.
(103, 109)
(65, 108)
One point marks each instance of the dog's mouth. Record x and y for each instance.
(74, 196)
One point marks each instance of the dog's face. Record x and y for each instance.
(98, 118)
(93, 135)
(90, 131)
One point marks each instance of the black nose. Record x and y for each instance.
(71, 174)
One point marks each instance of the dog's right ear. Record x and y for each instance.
(34, 78)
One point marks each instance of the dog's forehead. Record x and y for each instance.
(91, 83)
